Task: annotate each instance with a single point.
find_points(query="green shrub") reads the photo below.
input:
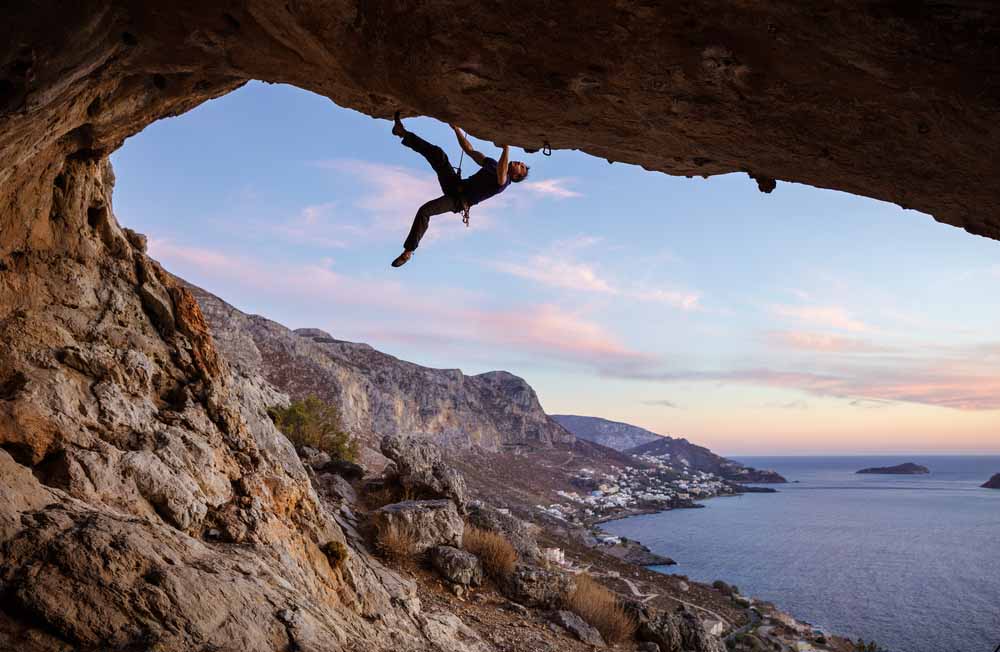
(317, 424)
(871, 646)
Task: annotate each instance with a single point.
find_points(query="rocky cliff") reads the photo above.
(992, 483)
(613, 434)
(887, 99)
(146, 500)
(381, 395)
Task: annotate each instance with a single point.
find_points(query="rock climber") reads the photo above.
(491, 179)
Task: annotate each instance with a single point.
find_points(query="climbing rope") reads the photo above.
(465, 207)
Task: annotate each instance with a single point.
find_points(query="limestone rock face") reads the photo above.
(521, 534)
(430, 522)
(146, 499)
(534, 586)
(457, 566)
(678, 632)
(578, 627)
(379, 395)
(892, 100)
(418, 467)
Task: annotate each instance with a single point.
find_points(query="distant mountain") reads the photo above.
(613, 434)
(909, 468)
(379, 394)
(676, 452)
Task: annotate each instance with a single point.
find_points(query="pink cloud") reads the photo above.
(552, 188)
(559, 269)
(828, 316)
(940, 386)
(823, 342)
(558, 273)
(444, 317)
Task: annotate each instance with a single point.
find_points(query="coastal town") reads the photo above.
(657, 483)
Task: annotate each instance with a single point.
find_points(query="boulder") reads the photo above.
(419, 467)
(347, 470)
(431, 522)
(993, 483)
(648, 646)
(578, 627)
(677, 632)
(457, 566)
(538, 587)
(520, 533)
(313, 457)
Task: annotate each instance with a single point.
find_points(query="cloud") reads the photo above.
(822, 342)
(686, 301)
(790, 405)
(929, 384)
(315, 225)
(552, 188)
(440, 317)
(558, 268)
(828, 316)
(557, 272)
(662, 403)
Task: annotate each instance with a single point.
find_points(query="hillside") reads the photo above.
(379, 394)
(677, 453)
(613, 434)
(682, 453)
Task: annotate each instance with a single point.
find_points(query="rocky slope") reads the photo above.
(682, 453)
(380, 395)
(146, 500)
(993, 483)
(613, 434)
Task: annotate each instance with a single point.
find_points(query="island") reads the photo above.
(909, 468)
(993, 483)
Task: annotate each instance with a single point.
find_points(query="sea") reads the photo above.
(911, 562)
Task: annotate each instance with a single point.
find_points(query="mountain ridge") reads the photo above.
(619, 435)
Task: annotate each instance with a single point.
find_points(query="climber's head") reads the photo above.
(517, 171)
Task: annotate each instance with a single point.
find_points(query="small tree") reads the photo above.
(313, 422)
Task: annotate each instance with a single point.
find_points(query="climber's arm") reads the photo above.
(466, 146)
(502, 166)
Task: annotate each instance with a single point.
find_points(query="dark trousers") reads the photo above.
(449, 181)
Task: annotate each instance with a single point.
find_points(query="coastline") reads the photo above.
(765, 621)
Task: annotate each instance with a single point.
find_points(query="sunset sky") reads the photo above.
(804, 321)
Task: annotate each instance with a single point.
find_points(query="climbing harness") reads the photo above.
(465, 206)
(546, 149)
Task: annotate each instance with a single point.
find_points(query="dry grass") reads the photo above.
(494, 551)
(396, 543)
(380, 497)
(601, 608)
(386, 494)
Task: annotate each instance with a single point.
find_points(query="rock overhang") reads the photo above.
(896, 101)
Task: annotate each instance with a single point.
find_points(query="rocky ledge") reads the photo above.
(993, 483)
(909, 468)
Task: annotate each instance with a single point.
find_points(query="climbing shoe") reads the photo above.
(398, 130)
(402, 258)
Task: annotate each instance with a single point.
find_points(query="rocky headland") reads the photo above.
(992, 483)
(907, 468)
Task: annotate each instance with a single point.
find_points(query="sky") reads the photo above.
(806, 321)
